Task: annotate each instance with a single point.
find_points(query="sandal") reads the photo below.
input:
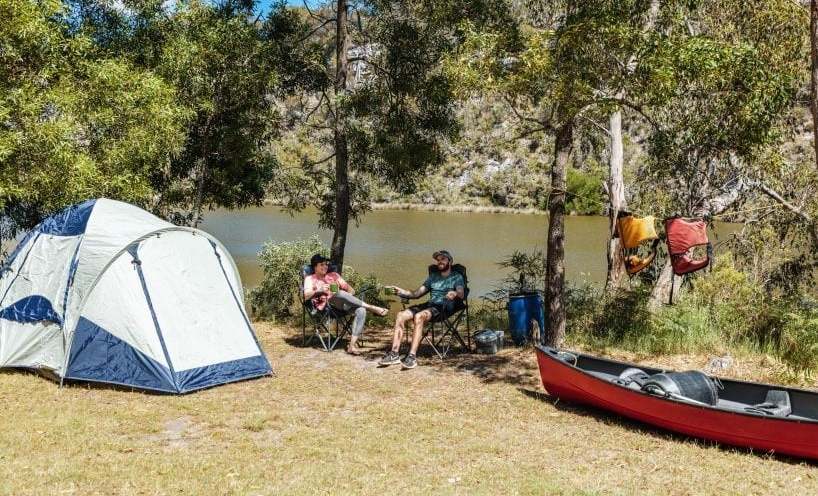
(354, 351)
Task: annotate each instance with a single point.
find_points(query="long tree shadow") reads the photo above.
(616, 420)
(515, 366)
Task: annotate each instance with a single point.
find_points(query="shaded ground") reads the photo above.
(338, 424)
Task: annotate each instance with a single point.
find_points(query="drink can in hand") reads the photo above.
(334, 287)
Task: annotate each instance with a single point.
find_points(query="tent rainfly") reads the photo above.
(104, 291)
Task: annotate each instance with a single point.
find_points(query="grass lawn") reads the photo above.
(337, 424)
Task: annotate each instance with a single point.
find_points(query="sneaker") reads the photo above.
(409, 362)
(391, 358)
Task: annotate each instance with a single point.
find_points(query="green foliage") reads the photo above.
(723, 310)
(585, 193)
(394, 120)
(75, 126)
(223, 68)
(281, 262)
(527, 272)
(799, 339)
(277, 295)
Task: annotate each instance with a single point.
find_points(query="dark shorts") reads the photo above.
(439, 310)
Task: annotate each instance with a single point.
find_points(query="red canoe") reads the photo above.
(759, 416)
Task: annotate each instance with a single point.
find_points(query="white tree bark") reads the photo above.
(616, 194)
(616, 274)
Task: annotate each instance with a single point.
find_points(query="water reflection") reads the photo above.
(397, 245)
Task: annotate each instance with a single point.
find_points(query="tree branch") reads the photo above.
(596, 124)
(325, 159)
(544, 124)
(313, 14)
(305, 37)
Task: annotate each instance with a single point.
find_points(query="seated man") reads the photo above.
(447, 293)
(319, 287)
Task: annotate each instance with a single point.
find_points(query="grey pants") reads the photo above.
(346, 302)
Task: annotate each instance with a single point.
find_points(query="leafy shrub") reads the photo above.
(682, 328)
(281, 263)
(585, 193)
(277, 296)
(798, 344)
(527, 272)
(489, 312)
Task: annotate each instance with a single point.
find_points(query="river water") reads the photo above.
(397, 245)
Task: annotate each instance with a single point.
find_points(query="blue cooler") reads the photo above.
(522, 309)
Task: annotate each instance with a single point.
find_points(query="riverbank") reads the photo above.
(334, 423)
(430, 207)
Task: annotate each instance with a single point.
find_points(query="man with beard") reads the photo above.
(447, 291)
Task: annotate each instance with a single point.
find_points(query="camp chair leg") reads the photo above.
(303, 328)
(431, 341)
(324, 344)
(468, 329)
(451, 334)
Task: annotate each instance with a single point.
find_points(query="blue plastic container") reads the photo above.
(522, 310)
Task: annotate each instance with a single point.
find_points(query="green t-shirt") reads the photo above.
(439, 285)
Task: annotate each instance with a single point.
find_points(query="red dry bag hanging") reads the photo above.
(682, 235)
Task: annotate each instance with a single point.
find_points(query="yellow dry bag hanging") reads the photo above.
(635, 233)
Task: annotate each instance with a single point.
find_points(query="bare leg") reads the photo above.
(400, 322)
(420, 320)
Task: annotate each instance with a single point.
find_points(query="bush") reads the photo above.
(585, 192)
(798, 344)
(281, 263)
(277, 296)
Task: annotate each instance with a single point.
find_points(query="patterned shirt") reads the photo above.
(312, 283)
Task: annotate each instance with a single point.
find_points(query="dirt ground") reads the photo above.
(332, 423)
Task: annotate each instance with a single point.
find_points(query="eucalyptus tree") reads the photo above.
(74, 125)
(374, 100)
(734, 77)
(576, 63)
(225, 70)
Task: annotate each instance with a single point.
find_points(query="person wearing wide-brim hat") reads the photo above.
(447, 292)
(318, 288)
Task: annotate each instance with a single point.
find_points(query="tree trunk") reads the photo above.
(196, 218)
(616, 274)
(660, 294)
(813, 35)
(555, 259)
(342, 200)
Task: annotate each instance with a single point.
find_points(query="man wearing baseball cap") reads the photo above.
(447, 291)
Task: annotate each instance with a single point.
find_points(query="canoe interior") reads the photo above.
(735, 396)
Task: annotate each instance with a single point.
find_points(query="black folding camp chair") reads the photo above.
(443, 343)
(321, 320)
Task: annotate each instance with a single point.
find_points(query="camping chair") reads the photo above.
(635, 233)
(321, 320)
(450, 326)
(682, 235)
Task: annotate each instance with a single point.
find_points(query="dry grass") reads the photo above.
(337, 424)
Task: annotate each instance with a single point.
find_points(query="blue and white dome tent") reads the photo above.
(104, 291)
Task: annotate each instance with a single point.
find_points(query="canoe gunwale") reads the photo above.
(550, 353)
